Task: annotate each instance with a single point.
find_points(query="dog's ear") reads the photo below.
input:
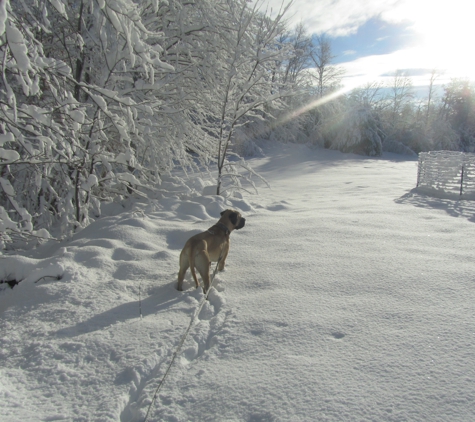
(222, 212)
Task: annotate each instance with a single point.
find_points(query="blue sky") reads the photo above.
(372, 39)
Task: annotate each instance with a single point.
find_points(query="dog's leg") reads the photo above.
(225, 252)
(202, 263)
(184, 265)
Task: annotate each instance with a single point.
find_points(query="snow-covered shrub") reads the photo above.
(246, 147)
(356, 131)
(392, 145)
(442, 136)
(417, 137)
(247, 136)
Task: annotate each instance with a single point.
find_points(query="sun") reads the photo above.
(445, 32)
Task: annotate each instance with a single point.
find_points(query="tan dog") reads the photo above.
(203, 248)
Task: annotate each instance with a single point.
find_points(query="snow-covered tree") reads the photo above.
(77, 103)
(239, 76)
(100, 97)
(399, 101)
(327, 75)
(458, 108)
(226, 55)
(357, 131)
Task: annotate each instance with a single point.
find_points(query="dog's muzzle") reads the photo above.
(241, 224)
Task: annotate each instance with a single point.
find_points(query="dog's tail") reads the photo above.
(191, 260)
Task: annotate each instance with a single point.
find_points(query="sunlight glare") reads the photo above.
(446, 34)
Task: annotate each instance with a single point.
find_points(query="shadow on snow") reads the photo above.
(453, 207)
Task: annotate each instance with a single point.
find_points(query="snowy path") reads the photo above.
(346, 298)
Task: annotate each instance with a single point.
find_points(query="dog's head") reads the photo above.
(233, 217)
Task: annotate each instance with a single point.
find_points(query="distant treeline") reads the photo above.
(100, 98)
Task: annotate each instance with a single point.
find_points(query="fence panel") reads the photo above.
(449, 173)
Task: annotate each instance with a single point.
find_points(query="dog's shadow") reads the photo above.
(155, 301)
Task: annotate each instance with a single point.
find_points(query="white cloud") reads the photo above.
(381, 68)
(334, 17)
(444, 40)
(343, 17)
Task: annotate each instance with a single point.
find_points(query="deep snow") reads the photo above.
(347, 297)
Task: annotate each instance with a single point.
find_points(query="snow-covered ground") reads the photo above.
(347, 297)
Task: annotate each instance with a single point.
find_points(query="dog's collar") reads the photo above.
(220, 226)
